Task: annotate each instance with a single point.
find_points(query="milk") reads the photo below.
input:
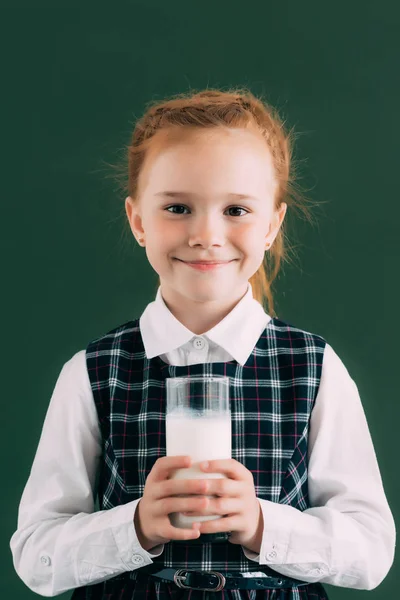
(202, 438)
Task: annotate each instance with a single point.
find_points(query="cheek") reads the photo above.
(164, 236)
(254, 248)
(169, 229)
(162, 247)
(251, 240)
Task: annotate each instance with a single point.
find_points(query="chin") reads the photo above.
(200, 294)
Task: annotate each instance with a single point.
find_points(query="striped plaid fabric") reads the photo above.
(272, 397)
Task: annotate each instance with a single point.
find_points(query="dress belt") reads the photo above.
(218, 580)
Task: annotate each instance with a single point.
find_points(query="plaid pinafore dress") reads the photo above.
(272, 397)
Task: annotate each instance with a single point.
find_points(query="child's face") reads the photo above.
(205, 223)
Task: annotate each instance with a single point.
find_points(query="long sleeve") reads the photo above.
(60, 543)
(348, 537)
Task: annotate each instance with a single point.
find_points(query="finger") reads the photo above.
(229, 523)
(223, 486)
(184, 487)
(229, 466)
(177, 533)
(188, 488)
(218, 506)
(164, 466)
(173, 504)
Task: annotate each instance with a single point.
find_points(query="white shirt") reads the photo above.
(346, 539)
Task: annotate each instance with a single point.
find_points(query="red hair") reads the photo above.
(172, 118)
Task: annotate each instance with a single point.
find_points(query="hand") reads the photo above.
(236, 500)
(151, 520)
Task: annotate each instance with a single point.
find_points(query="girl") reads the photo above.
(302, 500)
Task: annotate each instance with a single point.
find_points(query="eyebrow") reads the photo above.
(190, 194)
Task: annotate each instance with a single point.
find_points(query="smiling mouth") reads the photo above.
(201, 262)
(206, 267)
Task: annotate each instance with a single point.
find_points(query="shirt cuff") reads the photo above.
(131, 552)
(276, 533)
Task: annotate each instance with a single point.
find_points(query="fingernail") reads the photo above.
(205, 464)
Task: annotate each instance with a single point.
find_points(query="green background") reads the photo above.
(76, 76)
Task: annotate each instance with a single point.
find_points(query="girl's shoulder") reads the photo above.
(290, 331)
(125, 329)
(294, 338)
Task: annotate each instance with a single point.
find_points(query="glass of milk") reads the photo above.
(198, 424)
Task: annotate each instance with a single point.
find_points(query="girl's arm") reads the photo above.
(348, 537)
(60, 542)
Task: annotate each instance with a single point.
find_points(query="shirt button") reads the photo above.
(271, 554)
(137, 559)
(198, 343)
(45, 560)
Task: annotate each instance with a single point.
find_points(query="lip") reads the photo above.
(206, 266)
(205, 262)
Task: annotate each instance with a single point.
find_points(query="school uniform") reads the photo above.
(297, 424)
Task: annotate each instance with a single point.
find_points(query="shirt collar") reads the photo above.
(237, 333)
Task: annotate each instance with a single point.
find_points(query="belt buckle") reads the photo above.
(179, 578)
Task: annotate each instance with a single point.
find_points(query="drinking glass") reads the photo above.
(198, 424)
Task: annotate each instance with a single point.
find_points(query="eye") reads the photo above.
(182, 206)
(174, 206)
(238, 208)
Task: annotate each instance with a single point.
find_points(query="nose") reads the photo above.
(206, 231)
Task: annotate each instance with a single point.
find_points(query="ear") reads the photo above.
(276, 222)
(133, 213)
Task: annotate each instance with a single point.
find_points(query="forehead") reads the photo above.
(238, 161)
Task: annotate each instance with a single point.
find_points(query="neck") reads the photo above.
(198, 317)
